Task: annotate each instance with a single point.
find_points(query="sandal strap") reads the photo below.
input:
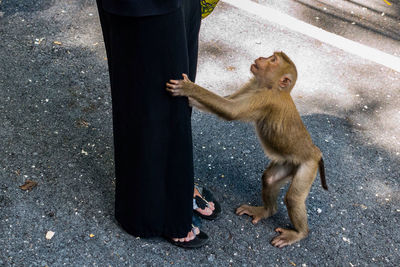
(201, 202)
(199, 188)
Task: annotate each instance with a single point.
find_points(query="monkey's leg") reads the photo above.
(274, 177)
(295, 202)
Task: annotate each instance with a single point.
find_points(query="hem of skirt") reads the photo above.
(167, 233)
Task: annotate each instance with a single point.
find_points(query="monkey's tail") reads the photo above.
(322, 174)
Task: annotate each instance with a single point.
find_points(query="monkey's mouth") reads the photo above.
(254, 66)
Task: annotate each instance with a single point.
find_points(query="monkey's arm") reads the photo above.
(239, 92)
(225, 108)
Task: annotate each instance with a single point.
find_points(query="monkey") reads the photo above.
(266, 101)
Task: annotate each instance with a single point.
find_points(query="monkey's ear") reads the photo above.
(285, 81)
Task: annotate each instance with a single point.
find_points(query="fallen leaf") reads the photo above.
(91, 235)
(82, 123)
(49, 235)
(28, 185)
(231, 68)
(292, 263)
(57, 43)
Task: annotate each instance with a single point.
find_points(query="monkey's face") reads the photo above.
(266, 69)
(274, 72)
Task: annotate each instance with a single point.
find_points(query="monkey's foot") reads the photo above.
(257, 213)
(286, 237)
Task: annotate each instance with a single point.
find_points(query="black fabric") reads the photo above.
(152, 130)
(140, 8)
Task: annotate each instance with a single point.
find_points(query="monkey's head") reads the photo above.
(276, 71)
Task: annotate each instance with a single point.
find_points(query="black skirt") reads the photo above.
(152, 130)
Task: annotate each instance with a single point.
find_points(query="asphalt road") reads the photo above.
(55, 114)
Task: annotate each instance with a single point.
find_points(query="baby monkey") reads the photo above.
(265, 100)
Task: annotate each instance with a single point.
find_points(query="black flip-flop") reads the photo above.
(200, 240)
(202, 203)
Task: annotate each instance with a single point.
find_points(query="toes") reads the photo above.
(255, 220)
(241, 210)
(206, 211)
(280, 243)
(196, 230)
(189, 237)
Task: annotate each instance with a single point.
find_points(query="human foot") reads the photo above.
(194, 239)
(190, 236)
(204, 203)
(208, 209)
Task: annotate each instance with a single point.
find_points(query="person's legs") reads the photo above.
(192, 12)
(152, 131)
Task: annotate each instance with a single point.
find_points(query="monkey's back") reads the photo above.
(283, 134)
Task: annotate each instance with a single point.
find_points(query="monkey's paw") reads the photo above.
(257, 213)
(286, 237)
(179, 87)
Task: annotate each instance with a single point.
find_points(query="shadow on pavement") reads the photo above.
(371, 21)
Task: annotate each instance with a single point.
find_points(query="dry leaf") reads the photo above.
(57, 43)
(28, 185)
(292, 263)
(82, 123)
(49, 235)
(231, 68)
(91, 235)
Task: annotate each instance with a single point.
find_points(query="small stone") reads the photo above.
(211, 257)
(319, 210)
(49, 235)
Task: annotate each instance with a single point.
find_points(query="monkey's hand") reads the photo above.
(180, 87)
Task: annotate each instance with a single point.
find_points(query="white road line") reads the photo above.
(335, 40)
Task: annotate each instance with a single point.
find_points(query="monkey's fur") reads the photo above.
(265, 100)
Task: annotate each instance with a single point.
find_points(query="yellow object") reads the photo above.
(207, 6)
(387, 2)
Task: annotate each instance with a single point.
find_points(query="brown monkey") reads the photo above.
(266, 101)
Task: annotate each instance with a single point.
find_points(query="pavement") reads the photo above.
(55, 114)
